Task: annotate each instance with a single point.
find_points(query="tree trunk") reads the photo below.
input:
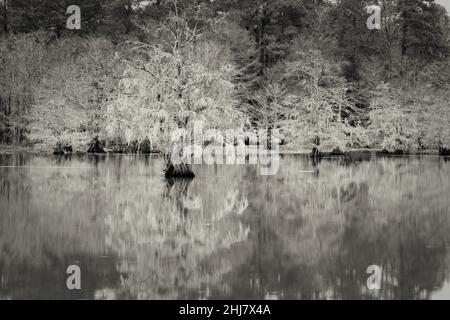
(403, 43)
(172, 170)
(177, 170)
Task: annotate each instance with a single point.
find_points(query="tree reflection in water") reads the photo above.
(309, 232)
(167, 238)
(313, 237)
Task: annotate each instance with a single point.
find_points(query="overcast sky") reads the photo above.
(445, 3)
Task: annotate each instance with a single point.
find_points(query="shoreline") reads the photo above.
(350, 153)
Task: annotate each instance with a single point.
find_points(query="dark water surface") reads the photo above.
(310, 232)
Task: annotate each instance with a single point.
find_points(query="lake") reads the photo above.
(309, 232)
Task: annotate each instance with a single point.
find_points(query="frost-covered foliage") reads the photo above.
(312, 102)
(417, 119)
(70, 101)
(391, 128)
(166, 86)
(23, 61)
(301, 67)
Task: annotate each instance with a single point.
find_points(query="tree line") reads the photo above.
(138, 69)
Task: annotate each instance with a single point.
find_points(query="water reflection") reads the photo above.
(309, 232)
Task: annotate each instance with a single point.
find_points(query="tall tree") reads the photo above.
(179, 87)
(422, 36)
(51, 15)
(271, 23)
(352, 34)
(4, 14)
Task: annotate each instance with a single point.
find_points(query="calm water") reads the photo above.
(309, 232)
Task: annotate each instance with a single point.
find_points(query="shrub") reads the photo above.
(391, 127)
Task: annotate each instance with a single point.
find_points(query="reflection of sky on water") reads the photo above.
(442, 293)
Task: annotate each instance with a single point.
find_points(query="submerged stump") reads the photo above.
(62, 148)
(145, 147)
(444, 151)
(95, 146)
(178, 170)
(315, 153)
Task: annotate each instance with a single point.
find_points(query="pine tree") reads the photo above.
(51, 15)
(4, 15)
(352, 35)
(422, 36)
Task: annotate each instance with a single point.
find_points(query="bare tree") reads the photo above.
(165, 60)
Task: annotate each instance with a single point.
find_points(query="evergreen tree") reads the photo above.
(352, 35)
(4, 15)
(422, 36)
(51, 15)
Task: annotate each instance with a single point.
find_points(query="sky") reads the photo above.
(445, 3)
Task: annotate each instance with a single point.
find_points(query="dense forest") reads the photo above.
(309, 68)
